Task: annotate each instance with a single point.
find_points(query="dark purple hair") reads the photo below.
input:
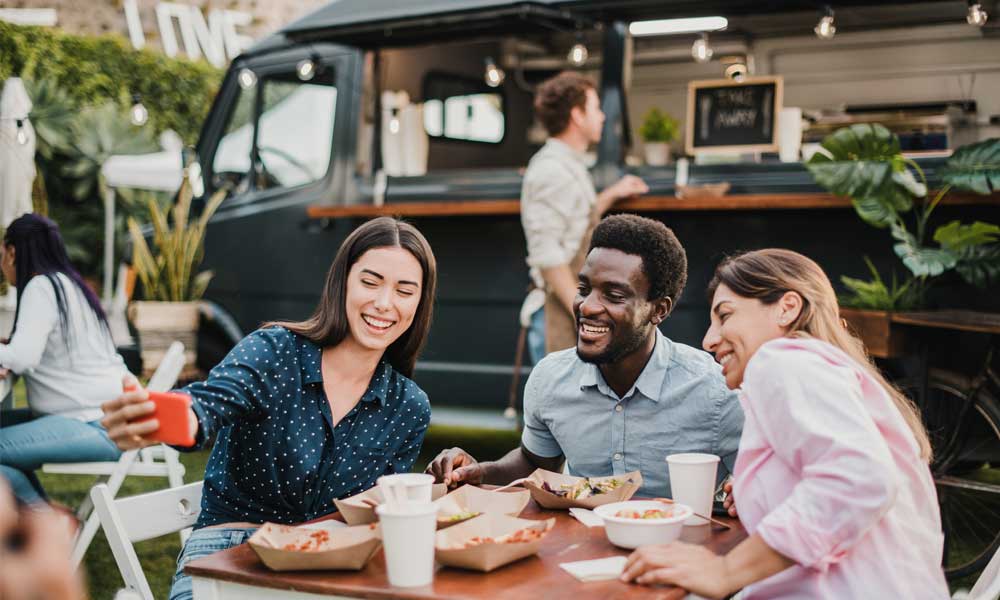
(39, 250)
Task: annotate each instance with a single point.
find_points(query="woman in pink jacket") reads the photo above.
(831, 480)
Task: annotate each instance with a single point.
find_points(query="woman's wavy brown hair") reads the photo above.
(328, 325)
(769, 274)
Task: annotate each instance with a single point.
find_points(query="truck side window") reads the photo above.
(295, 129)
(461, 108)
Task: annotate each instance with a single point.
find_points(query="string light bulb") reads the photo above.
(578, 54)
(394, 121)
(977, 15)
(22, 135)
(826, 29)
(306, 69)
(700, 50)
(494, 75)
(138, 114)
(246, 78)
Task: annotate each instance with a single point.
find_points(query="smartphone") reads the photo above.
(172, 411)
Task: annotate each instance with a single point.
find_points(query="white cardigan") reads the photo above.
(71, 380)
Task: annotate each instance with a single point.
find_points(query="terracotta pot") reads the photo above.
(159, 324)
(657, 153)
(875, 329)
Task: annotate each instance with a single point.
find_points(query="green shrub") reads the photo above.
(658, 126)
(95, 69)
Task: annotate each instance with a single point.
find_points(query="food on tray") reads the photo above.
(311, 543)
(521, 536)
(463, 516)
(653, 513)
(585, 488)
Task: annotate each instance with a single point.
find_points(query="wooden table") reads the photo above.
(237, 573)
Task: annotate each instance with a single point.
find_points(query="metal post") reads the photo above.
(108, 195)
(611, 150)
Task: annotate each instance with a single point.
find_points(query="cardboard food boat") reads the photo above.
(483, 544)
(629, 483)
(328, 545)
(469, 501)
(358, 510)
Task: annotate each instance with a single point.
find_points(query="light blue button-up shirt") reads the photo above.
(679, 403)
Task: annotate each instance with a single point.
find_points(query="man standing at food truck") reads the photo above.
(560, 207)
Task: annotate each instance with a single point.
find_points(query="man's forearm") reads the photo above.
(561, 282)
(514, 465)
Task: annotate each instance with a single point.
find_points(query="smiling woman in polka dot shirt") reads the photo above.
(303, 413)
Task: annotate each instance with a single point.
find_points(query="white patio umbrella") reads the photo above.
(157, 171)
(17, 151)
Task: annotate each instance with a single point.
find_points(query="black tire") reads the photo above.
(964, 454)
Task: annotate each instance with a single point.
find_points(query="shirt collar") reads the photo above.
(310, 365)
(650, 381)
(561, 147)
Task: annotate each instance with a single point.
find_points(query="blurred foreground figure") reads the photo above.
(35, 545)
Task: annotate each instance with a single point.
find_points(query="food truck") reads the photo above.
(424, 110)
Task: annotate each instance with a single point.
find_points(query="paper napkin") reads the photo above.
(586, 516)
(596, 570)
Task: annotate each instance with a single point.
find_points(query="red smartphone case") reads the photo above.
(172, 410)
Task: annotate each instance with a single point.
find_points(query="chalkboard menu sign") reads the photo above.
(728, 116)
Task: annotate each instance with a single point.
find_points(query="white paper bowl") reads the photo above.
(633, 533)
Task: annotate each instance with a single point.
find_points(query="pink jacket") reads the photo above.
(829, 475)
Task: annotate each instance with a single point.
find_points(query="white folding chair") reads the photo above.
(155, 461)
(143, 517)
(988, 585)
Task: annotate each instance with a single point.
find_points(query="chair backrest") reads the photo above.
(988, 585)
(143, 517)
(169, 370)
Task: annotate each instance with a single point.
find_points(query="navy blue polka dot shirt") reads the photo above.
(277, 455)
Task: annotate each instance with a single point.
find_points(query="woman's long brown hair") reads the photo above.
(769, 274)
(328, 326)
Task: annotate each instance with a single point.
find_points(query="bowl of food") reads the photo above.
(642, 522)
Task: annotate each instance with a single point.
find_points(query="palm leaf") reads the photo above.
(979, 265)
(975, 168)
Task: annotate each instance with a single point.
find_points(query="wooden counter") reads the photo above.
(458, 208)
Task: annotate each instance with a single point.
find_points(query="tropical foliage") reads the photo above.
(864, 162)
(168, 273)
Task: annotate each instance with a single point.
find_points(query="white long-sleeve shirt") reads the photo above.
(71, 380)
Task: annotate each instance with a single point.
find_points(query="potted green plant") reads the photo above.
(864, 163)
(171, 285)
(658, 130)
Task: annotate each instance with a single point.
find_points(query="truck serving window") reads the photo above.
(294, 132)
(462, 108)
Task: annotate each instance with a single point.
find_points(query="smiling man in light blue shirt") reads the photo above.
(626, 396)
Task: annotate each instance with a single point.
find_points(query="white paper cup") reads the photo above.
(417, 486)
(692, 482)
(408, 540)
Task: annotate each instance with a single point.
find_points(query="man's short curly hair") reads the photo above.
(556, 97)
(664, 261)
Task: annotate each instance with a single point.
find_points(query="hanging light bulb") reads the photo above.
(700, 50)
(394, 122)
(494, 74)
(306, 69)
(578, 54)
(247, 78)
(977, 16)
(22, 135)
(138, 114)
(825, 29)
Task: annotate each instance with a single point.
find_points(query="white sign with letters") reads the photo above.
(215, 38)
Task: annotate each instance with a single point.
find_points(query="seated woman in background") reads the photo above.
(832, 480)
(308, 412)
(61, 345)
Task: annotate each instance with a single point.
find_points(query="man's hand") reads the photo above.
(626, 187)
(453, 466)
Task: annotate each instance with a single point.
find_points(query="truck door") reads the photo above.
(282, 137)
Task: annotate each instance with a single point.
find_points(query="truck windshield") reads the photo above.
(290, 150)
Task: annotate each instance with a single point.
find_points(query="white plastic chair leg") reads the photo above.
(89, 529)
